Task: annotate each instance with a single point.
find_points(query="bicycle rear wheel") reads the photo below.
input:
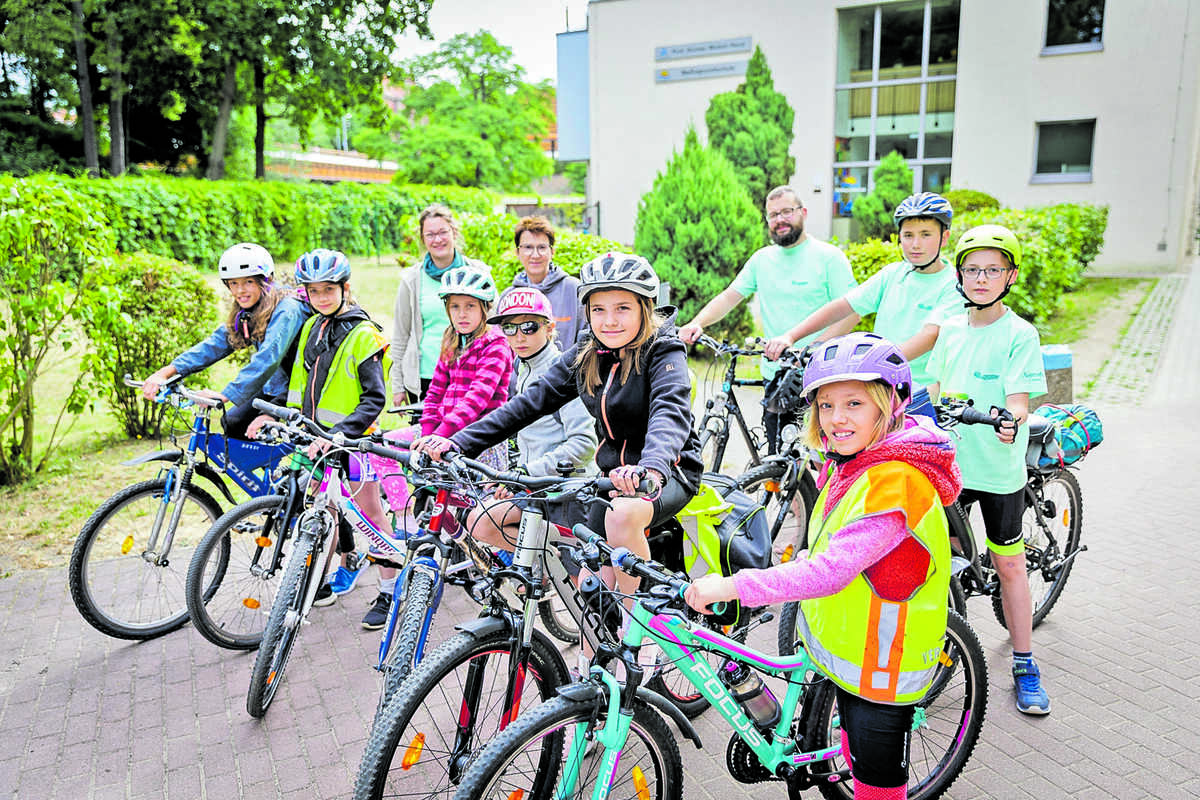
(119, 589)
(770, 485)
(283, 625)
(532, 757)
(230, 588)
(946, 722)
(451, 706)
(1051, 525)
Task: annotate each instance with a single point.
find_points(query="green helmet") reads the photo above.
(988, 237)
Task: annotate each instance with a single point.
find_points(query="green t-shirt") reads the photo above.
(433, 323)
(903, 300)
(791, 283)
(987, 364)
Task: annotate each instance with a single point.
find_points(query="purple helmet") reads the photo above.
(858, 357)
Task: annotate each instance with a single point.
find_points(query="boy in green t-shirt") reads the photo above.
(994, 357)
(908, 298)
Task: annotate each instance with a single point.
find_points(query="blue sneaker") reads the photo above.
(344, 579)
(1031, 697)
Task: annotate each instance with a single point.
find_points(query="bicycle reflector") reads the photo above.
(262, 541)
(251, 603)
(412, 754)
(126, 545)
(639, 784)
(516, 794)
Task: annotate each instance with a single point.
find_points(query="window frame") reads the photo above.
(1077, 47)
(1063, 177)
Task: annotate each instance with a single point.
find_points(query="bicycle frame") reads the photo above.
(726, 405)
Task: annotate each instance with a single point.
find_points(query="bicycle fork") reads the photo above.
(173, 491)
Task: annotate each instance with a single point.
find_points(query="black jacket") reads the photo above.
(646, 421)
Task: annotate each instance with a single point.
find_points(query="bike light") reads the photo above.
(412, 754)
(639, 784)
(250, 602)
(262, 541)
(126, 545)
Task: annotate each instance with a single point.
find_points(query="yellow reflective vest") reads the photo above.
(883, 650)
(341, 392)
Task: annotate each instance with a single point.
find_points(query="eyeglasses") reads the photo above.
(990, 272)
(540, 249)
(783, 212)
(433, 236)
(528, 327)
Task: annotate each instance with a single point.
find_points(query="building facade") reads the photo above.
(1032, 101)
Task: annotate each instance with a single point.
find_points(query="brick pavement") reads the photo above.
(84, 716)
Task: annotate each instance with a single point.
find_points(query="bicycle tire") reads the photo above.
(431, 701)
(765, 483)
(228, 604)
(537, 745)
(283, 624)
(557, 620)
(712, 449)
(412, 622)
(953, 709)
(107, 572)
(1047, 570)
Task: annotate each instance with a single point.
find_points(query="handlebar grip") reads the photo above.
(383, 451)
(279, 412)
(973, 416)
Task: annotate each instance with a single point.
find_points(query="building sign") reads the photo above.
(716, 47)
(723, 70)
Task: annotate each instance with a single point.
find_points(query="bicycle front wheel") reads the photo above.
(283, 625)
(1051, 525)
(557, 619)
(121, 588)
(946, 723)
(788, 503)
(552, 752)
(451, 706)
(414, 619)
(230, 584)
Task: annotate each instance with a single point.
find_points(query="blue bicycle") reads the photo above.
(128, 568)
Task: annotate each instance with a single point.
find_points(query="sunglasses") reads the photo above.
(529, 327)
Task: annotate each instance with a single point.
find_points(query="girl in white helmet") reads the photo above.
(263, 316)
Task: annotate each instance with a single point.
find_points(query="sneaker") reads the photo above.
(377, 614)
(344, 579)
(325, 596)
(1031, 697)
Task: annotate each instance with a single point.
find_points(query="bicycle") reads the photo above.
(123, 572)
(605, 736)
(714, 426)
(476, 683)
(1052, 523)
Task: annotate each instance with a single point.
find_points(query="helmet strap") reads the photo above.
(971, 304)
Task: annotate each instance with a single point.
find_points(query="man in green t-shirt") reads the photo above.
(792, 277)
(909, 298)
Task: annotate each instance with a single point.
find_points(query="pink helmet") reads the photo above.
(858, 356)
(519, 300)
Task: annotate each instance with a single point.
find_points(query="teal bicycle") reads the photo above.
(606, 737)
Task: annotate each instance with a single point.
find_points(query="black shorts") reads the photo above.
(879, 739)
(1001, 518)
(670, 501)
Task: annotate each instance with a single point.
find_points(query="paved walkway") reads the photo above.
(84, 716)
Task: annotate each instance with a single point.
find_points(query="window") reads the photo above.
(1064, 152)
(1074, 26)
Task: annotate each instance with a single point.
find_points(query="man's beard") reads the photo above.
(790, 237)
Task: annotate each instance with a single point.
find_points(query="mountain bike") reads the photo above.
(1052, 523)
(606, 737)
(127, 569)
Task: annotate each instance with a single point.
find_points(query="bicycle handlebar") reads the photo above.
(366, 444)
(951, 412)
(539, 483)
(628, 561)
(725, 348)
(172, 386)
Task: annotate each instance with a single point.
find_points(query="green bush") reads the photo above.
(964, 201)
(891, 182)
(871, 255)
(166, 307)
(1057, 244)
(697, 225)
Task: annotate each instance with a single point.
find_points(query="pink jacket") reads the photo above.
(476, 383)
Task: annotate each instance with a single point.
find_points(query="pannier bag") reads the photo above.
(740, 540)
(1078, 430)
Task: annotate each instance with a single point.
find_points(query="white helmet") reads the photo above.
(618, 271)
(246, 260)
(471, 281)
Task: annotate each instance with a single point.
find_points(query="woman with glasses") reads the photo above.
(567, 435)
(420, 316)
(534, 238)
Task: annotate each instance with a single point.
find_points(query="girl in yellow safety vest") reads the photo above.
(873, 584)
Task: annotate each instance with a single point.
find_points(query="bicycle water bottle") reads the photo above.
(751, 693)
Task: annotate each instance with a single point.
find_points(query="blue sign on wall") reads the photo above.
(573, 115)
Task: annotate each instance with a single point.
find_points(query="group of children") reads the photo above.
(875, 576)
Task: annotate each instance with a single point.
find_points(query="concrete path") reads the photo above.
(85, 716)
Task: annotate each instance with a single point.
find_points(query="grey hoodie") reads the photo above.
(563, 292)
(568, 434)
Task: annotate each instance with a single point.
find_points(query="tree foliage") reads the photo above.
(892, 181)
(697, 225)
(752, 127)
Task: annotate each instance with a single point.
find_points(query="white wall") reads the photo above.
(637, 123)
(1133, 90)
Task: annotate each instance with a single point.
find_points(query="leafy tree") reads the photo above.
(752, 127)
(892, 181)
(697, 225)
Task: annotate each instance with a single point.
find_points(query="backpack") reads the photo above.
(1078, 430)
(742, 536)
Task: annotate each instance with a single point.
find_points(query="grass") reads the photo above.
(1080, 307)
